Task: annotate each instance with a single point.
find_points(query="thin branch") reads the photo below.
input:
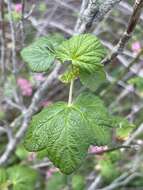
(122, 74)
(22, 22)
(94, 13)
(48, 19)
(13, 37)
(27, 115)
(95, 183)
(138, 131)
(127, 180)
(3, 50)
(112, 149)
(128, 33)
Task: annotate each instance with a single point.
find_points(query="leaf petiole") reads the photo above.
(71, 93)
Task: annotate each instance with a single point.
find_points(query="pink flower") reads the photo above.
(97, 149)
(18, 7)
(25, 86)
(136, 47)
(51, 171)
(39, 77)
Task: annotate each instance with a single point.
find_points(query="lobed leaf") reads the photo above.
(84, 51)
(99, 120)
(40, 55)
(61, 130)
(22, 177)
(66, 132)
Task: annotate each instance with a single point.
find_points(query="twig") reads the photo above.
(127, 34)
(113, 149)
(135, 109)
(128, 8)
(2, 60)
(28, 115)
(138, 131)
(22, 22)
(66, 5)
(42, 165)
(94, 13)
(122, 74)
(115, 185)
(95, 183)
(13, 37)
(48, 19)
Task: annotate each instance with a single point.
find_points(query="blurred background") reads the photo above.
(21, 22)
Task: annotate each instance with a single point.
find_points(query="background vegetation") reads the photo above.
(24, 93)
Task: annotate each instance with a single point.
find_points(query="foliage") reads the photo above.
(81, 91)
(66, 131)
(137, 82)
(78, 182)
(40, 55)
(18, 177)
(57, 182)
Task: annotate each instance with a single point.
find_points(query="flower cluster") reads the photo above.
(97, 149)
(18, 7)
(25, 86)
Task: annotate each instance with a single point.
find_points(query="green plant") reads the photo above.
(18, 177)
(66, 130)
(137, 82)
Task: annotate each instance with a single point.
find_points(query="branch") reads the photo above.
(2, 59)
(122, 74)
(128, 33)
(27, 115)
(25, 118)
(122, 183)
(134, 135)
(94, 12)
(95, 183)
(13, 37)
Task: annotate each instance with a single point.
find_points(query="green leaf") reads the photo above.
(124, 128)
(22, 177)
(109, 171)
(78, 182)
(93, 80)
(137, 82)
(40, 54)
(37, 135)
(100, 121)
(56, 182)
(21, 153)
(63, 132)
(3, 176)
(67, 131)
(41, 154)
(70, 74)
(84, 51)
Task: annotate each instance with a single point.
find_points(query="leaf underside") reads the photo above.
(66, 132)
